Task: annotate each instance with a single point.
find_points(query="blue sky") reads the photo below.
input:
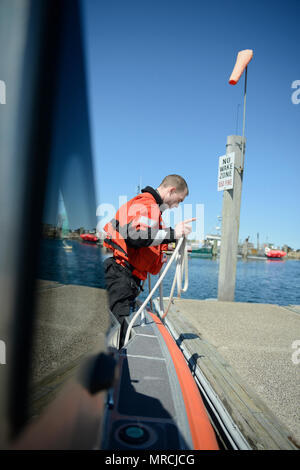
(160, 103)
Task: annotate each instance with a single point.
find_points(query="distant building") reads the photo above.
(49, 231)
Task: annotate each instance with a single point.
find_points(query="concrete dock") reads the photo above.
(246, 352)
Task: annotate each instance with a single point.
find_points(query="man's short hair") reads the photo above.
(177, 181)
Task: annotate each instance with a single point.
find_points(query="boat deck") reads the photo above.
(149, 408)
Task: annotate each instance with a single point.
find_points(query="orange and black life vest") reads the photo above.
(131, 232)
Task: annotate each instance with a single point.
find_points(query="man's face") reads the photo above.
(174, 198)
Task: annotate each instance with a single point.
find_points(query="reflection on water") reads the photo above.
(263, 281)
(82, 265)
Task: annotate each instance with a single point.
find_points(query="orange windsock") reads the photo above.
(243, 59)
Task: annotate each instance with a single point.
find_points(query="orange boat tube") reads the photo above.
(203, 435)
(243, 59)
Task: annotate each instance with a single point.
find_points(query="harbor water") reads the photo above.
(257, 281)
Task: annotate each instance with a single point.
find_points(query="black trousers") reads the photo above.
(122, 288)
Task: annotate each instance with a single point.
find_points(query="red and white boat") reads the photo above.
(274, 253)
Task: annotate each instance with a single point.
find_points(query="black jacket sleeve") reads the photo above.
(140, 238)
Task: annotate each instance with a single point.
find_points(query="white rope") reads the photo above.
(149, 287)
(186, 270)
(153, 290)
(182, 262)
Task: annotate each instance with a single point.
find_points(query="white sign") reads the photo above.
(226, 172)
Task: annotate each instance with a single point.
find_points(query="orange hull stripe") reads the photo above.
(203, 435)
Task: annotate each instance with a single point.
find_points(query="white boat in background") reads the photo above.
(66, 246)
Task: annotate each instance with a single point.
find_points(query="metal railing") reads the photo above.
(180, 256)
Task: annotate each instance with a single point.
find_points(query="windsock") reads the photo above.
(243, 59)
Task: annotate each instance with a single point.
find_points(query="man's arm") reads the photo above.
(146, 235)
(149, 236)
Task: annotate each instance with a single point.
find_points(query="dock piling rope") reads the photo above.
(181, 270)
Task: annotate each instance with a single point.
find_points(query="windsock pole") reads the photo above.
(232, 197)
(244, 119)
(242, 61)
